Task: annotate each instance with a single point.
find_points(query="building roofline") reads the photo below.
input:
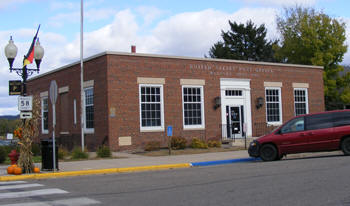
(175, 57)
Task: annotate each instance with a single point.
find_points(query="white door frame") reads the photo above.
(243, 99)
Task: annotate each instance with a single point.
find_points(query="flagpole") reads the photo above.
(82, 109)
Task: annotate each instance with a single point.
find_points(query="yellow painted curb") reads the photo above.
(93, 172)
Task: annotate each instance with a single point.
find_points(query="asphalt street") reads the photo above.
(301, 181)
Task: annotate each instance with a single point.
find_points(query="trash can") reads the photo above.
(47, 155)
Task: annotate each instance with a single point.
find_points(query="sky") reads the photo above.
(180, 28)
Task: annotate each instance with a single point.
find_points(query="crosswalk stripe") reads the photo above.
(71, 202)
(12, 183)
(8, 187)
(32, 193)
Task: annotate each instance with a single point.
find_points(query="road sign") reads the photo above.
(53, 98)
(53, 91)
(26, 115)
(170, 131)
(25, 103)
(15, 87)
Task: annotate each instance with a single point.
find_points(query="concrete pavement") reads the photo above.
(125, 162)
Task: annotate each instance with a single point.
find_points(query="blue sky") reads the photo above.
(182, 28)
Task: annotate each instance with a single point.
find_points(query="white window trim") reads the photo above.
(43, 131)
(201, 126)
(88, 130)
(280, 105)
(306, 99)
(158, 128)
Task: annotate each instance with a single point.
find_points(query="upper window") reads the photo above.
(89, 109)
(151, 107)
(231, 92)
(300, 101)
(273, 105)
(44, 115)
(193, 108)
(319, 121)
(295, 125)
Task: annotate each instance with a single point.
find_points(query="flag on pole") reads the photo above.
(28, 59)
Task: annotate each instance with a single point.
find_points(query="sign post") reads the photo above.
(169, 134)
(53, 98)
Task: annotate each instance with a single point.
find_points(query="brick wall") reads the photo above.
(116, 94)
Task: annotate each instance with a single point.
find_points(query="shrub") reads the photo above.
(152, 146)
(36, 150)
(62, 153)
(104, 151)
(214, 143)
(2, 154)
(78, 154)
(198, 144)
(178, 143)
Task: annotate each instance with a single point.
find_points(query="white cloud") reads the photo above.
(90, 16)
(149, 13)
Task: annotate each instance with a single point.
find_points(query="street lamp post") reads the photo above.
(24, 72)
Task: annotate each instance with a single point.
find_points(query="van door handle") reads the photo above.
(311, 133)
(302, 134)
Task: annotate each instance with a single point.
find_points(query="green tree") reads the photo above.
(313, 38)
(244, 42)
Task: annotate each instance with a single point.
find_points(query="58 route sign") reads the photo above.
(25, 103)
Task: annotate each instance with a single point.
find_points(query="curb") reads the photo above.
(220, 162)
(93, 172)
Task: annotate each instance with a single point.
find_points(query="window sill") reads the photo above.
(193, 128)
(152, 130)
(274, 123)
(45, 132)
(89, 131)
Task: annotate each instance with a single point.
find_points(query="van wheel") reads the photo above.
(268, 152)
(345, 146)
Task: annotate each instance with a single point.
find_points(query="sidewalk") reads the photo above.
(130, 162)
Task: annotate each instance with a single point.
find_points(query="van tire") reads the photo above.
(268, 152)
(345, 146)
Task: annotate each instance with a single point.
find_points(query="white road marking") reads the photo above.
(8, 187)
(32, 193)
(71, 202)
(12, 183)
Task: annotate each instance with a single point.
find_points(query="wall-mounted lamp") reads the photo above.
(217, 102)
(259, 102)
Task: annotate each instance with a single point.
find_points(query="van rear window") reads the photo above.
(341, 119)
(319, 121)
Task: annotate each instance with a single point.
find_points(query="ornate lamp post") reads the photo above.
(35, 52)
(24, 72)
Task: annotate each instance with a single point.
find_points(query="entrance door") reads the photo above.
(234, 121)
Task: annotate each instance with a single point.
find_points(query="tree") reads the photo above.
(313, 38)
(244, 42)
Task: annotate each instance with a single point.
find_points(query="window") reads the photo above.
(300, 101)
(233, 93)
(44, 115)
(89, 109)
(193, 111)
(295, 125)
(273, 105)
(341, 118)
(151, 107)
(319, 121)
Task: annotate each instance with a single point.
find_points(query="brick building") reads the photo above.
(132, 98)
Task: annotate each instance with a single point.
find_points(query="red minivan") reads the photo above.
(325, 131)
